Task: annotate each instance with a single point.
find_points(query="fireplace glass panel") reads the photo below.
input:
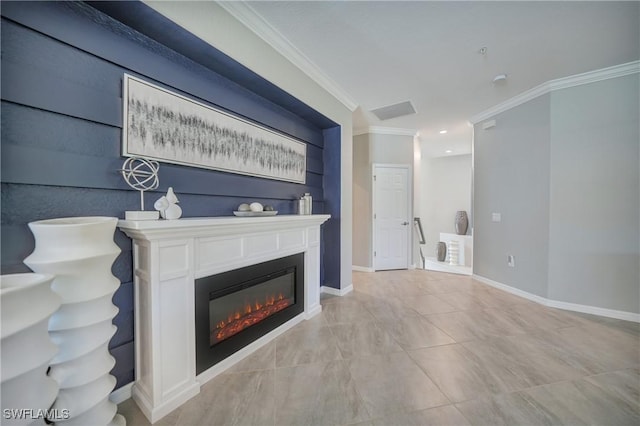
(249, 303)
(274, 287)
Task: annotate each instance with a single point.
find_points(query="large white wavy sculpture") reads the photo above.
(80, 251)
(27, 303)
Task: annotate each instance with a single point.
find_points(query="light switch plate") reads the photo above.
(496, 217)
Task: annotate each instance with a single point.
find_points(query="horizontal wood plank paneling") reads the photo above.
(142, 57)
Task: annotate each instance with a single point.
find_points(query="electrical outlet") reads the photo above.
(511, 260)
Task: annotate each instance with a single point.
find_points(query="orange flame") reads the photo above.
(251, 314)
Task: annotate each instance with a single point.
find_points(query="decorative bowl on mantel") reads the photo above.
(254, 214)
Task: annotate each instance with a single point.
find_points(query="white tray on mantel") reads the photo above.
(255, 214)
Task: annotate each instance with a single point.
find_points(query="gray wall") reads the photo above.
(511, 177)
(563, 170)
(594, 217)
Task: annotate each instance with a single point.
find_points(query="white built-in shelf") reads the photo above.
(465, 255)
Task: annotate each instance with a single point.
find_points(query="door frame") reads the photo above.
(409, 169)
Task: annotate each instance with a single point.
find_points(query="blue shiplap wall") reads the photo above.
(62, 67)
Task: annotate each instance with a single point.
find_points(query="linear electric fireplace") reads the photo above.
(219, 261)
(234, 308)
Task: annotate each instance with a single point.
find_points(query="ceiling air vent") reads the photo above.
(393, 111)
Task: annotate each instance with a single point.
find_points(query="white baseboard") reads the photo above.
(337, 292)
(595, 310)
(586, 309)
(362, 268)
(121, 394)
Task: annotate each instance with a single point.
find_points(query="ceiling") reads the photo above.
(373, 54)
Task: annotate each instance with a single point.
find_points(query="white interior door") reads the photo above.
(391, 217)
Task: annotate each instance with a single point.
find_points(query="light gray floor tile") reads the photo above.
(416, 332)
(544, 317)
(317, 321)
(393, 382)
(437, 286)
(533, 363)
(134, 416)
(623, 385)
(445, 415)
(461, 375)
(345, 311)
(463, 300)
(603, 347)
(306, 347)
(513, 409)
(427, 304)
(317, 394)
(363, 339)
(390, 309)
(582, 402)
(472, 325)
(368, 359)
(233, 399)
(263, 359)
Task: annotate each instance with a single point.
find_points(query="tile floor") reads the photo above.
(429, 348)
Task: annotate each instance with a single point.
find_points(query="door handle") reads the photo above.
(404, 223)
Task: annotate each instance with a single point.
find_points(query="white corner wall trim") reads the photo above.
(121, 394)
(336, 292)
(256, 23)
(362, 268)
(378, 130)
(593, 310)
(558, 84)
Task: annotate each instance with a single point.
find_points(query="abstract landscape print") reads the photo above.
(168, 127)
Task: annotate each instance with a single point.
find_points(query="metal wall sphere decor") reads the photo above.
(141, 174)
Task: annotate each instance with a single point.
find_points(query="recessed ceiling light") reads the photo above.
(442, 132)
(448, 151)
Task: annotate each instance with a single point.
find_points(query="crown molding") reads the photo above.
(256, 23)
(558, 84)
(385, 131)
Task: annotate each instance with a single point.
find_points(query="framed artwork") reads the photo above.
(165, 126)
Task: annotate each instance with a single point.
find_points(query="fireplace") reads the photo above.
(234, 308)
(172, 258)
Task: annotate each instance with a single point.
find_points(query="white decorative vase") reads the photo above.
(80, 251)
(27, 303)
(453, 251)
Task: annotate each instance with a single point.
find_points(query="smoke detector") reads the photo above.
(499, 78)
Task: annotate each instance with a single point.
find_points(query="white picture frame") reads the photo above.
(168, 127)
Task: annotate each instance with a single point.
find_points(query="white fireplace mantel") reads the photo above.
(169, 255)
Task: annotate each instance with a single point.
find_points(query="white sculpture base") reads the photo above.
(27, 303)
(79, 251)
(141, 215)
(168, 257)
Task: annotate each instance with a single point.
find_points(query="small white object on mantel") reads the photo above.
(168, 206)
(168, 257)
